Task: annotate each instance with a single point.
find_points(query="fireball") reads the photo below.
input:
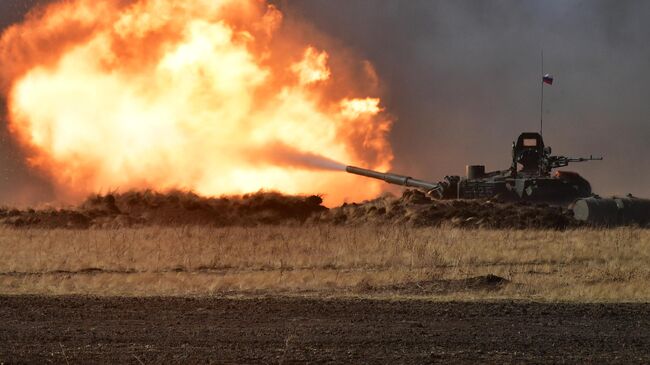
(219, 97)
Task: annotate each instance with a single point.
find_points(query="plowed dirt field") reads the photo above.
(71, 330)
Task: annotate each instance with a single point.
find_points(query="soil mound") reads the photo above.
(47, 219)
(417, 209)
(186, 208)
(479, 283)
(171, 209)
(413, 208)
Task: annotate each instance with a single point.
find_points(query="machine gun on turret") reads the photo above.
(561, 161)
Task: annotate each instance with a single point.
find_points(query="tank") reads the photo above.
(532, 176)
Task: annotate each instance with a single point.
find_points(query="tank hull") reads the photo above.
(551, 190)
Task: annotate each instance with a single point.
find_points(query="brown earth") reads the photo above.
(170, 209)
(269, 208)
(417, 209)
(301, 330)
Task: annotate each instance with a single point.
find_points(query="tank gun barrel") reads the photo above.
(394, 178)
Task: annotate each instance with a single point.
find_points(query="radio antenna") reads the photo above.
(541, 103)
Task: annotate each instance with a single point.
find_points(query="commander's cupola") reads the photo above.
(528, 153)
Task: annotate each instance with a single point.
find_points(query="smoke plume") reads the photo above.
(283, 155)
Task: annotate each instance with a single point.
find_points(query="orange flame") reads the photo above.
(216, 96)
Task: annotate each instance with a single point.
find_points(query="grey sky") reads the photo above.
(464, 79)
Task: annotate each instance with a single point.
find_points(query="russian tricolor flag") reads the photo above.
(547, 79)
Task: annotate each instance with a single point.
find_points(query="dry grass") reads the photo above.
(574, 265)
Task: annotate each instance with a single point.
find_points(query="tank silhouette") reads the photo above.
(531, 177)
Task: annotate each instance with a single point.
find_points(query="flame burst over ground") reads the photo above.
(219, 97)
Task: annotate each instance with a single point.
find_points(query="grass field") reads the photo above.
(576, 265)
